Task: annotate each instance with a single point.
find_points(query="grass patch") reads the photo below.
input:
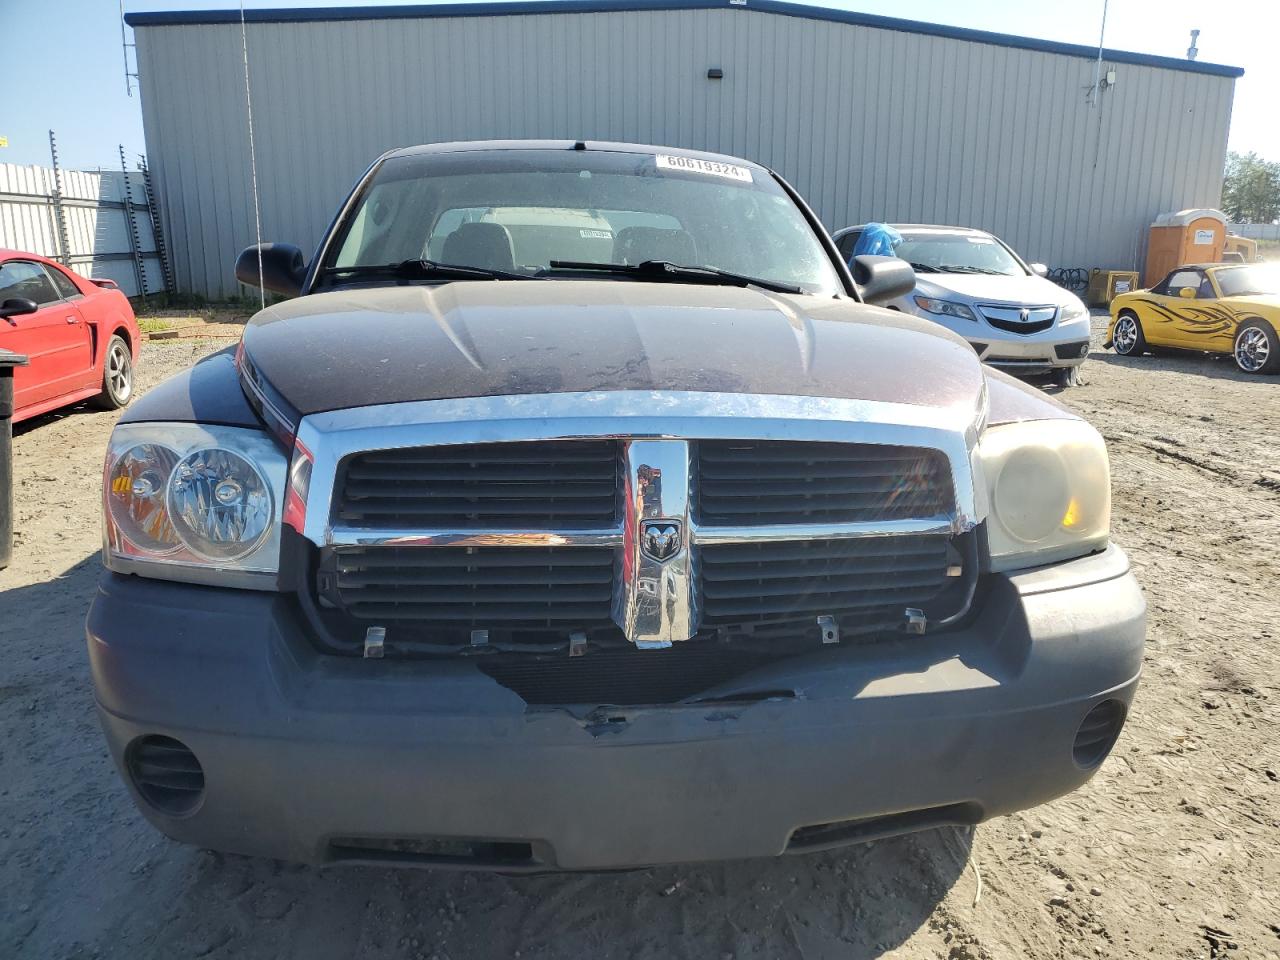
(157, 324)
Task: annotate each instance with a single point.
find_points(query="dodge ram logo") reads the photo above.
(660, 539)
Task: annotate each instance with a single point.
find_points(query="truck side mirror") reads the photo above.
(1187, 293)
(283, 269)
(881, 279)
(1039, 269)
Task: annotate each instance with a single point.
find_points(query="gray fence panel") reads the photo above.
(97, 227)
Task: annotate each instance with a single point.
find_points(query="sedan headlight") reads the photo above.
(1049, 489)
(1072, 311)
(197, 503)
(945, 308)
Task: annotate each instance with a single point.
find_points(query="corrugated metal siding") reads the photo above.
(97, 230)
(867, 123)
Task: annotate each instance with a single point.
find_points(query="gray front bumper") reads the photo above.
(1012, 353)
(300, 748)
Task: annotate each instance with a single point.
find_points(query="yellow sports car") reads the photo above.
(1217, 307)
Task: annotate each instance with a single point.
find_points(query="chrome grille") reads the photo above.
(756, 482)
(870, 581)
(533, 541)
(538, 485)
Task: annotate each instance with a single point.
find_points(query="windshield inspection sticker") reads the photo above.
(712, 168)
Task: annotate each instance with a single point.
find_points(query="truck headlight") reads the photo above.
(1049, 488)
(183, 501)
(945, 308)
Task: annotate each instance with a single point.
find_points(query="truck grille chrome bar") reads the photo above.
(364, 537)
(780, 533)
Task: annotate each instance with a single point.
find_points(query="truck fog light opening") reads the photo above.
(1098, 732)
(166, 774)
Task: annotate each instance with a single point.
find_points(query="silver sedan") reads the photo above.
(976, 285)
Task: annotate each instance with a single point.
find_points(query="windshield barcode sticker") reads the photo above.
(595, 234)
(712, 168)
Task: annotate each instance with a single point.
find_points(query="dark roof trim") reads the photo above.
(501, 8)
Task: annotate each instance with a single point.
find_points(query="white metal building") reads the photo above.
(869, 117)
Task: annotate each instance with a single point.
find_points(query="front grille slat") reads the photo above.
(486, 558)
(750, 553)
(820, 586)
(540, 485)
(781, 487)
(482, 509)
(766, 471)
(486, 615)
(732, 510)
(893, 600)
(530, 452)
(784, 481)
(468, 577)
(524, 488)
(363, 471)
(506, 596)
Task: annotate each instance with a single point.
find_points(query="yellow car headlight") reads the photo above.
(1049, 488)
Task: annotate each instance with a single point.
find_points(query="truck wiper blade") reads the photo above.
(426, 270)
(665, 270)
(922, 267)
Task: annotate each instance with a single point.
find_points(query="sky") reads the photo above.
(80, 92)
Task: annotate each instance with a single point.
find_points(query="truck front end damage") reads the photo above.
(599, 630)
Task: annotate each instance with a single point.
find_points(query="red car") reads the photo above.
(79, 335)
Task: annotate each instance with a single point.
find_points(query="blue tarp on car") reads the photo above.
(877, 239)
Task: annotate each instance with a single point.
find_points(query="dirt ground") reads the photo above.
(1172, 851)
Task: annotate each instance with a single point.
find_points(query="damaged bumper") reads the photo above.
(316, 758)
(1030, 354)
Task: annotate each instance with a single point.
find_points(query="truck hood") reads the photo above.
(359, 347)
(983, 288)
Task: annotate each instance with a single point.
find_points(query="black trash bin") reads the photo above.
(7, 362)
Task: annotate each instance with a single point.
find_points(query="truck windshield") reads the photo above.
(940, 252)
(524, 211)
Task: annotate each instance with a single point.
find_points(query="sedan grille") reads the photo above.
(564, 484)
(756, 482)
(1023, 320)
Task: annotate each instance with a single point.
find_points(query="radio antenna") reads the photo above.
(253, 157)
(1097, 67)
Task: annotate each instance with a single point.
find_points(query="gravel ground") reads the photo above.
(1171, 851)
